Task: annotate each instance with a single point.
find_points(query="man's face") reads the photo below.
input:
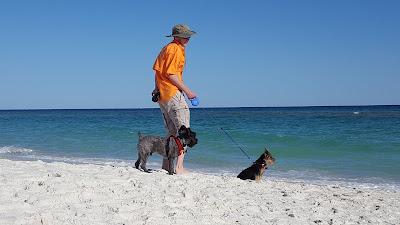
(183, 41)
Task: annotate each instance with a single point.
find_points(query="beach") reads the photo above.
(37, 192)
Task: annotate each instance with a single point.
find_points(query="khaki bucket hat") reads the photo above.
(182, 31)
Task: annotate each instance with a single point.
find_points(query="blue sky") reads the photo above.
(99, 54)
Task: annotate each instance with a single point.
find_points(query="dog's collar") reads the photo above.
(179, 144)
(258, 164)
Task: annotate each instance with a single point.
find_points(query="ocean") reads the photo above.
(348, 144)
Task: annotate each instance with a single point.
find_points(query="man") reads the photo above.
(168, 69)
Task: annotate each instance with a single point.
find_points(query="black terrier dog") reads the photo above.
(256, 171)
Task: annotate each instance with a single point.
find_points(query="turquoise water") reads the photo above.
(350, 144)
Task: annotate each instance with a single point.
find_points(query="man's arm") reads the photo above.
(181, 86)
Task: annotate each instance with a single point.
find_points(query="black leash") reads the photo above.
(228, 135)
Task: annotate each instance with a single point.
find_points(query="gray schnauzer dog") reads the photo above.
(169, 147)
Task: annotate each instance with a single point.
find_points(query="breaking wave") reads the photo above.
(14, 150)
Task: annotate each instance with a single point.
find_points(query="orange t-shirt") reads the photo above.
(170, 61)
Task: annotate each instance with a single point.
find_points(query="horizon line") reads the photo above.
(222, 107)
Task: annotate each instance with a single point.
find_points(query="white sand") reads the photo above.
(59, 193)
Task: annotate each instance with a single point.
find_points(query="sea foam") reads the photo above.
(14, 150)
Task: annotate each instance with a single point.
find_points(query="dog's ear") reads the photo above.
(192, 132)
(268, 155)
(183, 131)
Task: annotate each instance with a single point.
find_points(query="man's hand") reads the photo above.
(190, 94)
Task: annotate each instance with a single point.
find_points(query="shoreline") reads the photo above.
(36, 192)
(309, 177)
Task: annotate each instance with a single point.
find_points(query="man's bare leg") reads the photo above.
(179, 165)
